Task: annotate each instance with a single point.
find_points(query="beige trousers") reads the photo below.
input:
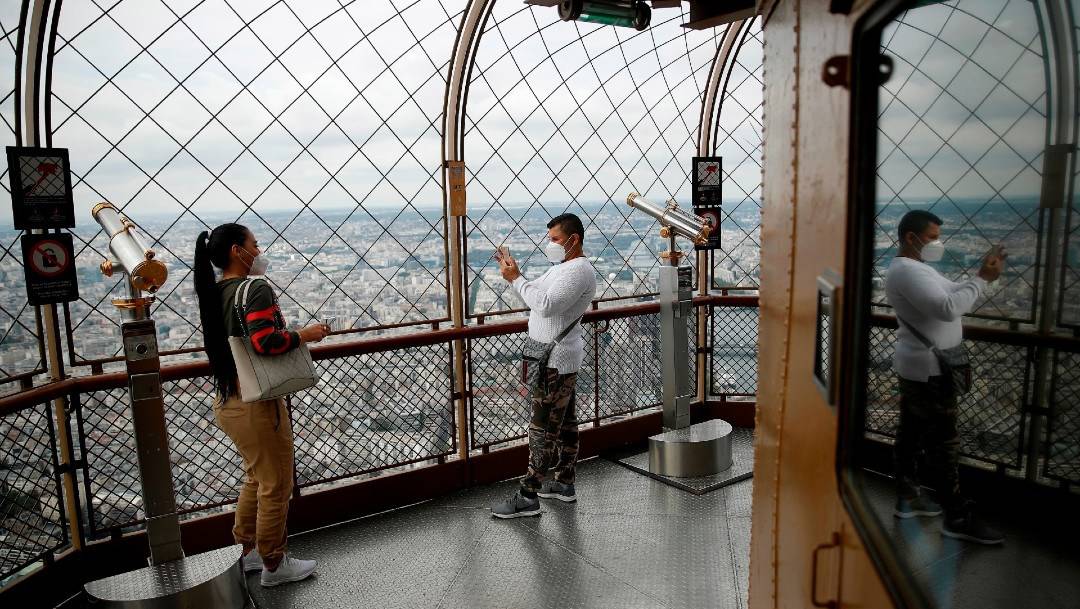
(263, 437)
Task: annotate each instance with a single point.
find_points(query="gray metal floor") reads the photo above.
(629, 542)
(1038, 566)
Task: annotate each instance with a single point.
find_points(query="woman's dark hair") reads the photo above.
(213, 249)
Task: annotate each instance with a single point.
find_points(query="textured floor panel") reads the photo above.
(1038, 565)
(742, 456)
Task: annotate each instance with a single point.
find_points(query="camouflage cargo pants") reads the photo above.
(553, 432)
(928, 429)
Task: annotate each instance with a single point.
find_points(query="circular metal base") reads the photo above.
(703, 449)
(213, 579)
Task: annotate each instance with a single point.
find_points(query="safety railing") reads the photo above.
(33, 523)
(994, 418)
(385, 403)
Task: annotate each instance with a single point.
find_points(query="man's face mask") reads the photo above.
(555, 253)
(931, 251)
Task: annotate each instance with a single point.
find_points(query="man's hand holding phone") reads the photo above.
(507, 265)
(993, 263)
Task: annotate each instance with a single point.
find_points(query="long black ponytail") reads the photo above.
(213, 249)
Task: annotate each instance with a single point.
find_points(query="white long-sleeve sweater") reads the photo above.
(556, 299)
(933, 304)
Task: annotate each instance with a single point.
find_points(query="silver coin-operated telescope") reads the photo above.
(683, 450)
(213, 579)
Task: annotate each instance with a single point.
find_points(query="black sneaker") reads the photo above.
(970, 527)
(919, 505)
(516, 507)
(553, 489)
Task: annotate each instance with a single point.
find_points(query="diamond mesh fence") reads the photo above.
(738, 140)
(571, 117)
(317, 126)
(991, 416)
(1063, 424)
(207, 470)
(386, 409)
(962, 128)
(734, 351)
(20, 338)
(32, 519)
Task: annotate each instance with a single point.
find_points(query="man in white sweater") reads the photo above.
(929, 308)
(557, 300)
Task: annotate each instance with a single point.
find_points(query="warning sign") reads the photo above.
(712, 214)
(49, 266)
(706, 178)
(40, 188)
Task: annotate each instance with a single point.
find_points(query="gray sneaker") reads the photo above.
(919, 505)
(516, 507)
(553, 489)
(967, 526)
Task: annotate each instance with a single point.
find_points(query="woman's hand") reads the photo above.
(314, 333)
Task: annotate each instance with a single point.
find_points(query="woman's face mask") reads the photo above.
(256, 265)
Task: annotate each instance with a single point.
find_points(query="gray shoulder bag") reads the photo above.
(534, 360)
(265, 377)
(954, 361)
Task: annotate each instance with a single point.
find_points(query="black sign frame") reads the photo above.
(45, 210)
(43, 284)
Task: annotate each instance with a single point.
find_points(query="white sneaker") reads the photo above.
(253, 562)
(290, 570)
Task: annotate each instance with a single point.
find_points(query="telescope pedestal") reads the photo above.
(212, 579)
(702, 449)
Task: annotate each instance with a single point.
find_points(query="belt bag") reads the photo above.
(954, 362)
(264, 377)
(534, 360)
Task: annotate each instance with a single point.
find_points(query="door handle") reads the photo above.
(830, 604)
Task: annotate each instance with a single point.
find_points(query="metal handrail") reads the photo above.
(187, 370)
(998, 335)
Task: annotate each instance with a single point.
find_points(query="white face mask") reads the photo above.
(555, 253)
(932, 251)
(258, 265)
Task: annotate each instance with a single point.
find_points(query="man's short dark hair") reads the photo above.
(569, 224)
(916, 221)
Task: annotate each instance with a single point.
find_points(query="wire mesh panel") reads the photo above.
(1069, 312)
(1063, 424)
(991, 416)
(962, 129)
(316, 125)
(571, 117)
(384, 409)
(734, 350)
(20, 350)
(630, 370)
(32, 520)
(206, 468)
(738, 140)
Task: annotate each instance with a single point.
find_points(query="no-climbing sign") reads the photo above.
(49, 265)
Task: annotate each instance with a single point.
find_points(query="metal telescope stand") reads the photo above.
(682, 450)
(213, 579)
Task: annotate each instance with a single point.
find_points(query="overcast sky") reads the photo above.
(635, 131)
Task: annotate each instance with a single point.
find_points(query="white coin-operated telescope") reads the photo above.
(683, 450)
(213, 579)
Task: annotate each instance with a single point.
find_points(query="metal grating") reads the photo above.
(1063, 424)
(992, 416)
(962, 129)
(1069, 311)
(32, 519)
(206, 468)
(317, 126)
(20, 339)
(572, 117)
(630, 371)
(739, 139)
(734, 351)
(386, 409)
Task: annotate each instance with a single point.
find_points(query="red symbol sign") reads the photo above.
(49, 258)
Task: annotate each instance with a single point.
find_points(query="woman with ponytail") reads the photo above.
(260, 430)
